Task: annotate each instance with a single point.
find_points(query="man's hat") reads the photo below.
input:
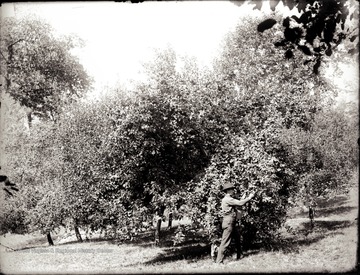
(228, 186)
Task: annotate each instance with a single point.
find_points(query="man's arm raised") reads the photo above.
(235, 202)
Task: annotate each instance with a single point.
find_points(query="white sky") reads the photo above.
(120, 36)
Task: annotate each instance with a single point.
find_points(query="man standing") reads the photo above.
(228, 207)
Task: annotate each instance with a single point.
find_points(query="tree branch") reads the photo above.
(3, 56)
(15, 43)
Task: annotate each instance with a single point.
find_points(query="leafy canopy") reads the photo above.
(39, 70)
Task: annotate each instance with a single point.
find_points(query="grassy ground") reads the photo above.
(330, 247)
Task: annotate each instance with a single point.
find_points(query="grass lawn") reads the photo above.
(330, 247)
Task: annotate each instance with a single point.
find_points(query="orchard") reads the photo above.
(263, 122)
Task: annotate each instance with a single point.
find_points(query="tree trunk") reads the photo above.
(160, 213)
(170, 219)
(77, 233)
(311, 216)
(29, 118)
(157, 230)
(50, 241)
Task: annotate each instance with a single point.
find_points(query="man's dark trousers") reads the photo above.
(229, 231)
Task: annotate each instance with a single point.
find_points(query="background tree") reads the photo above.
(12, 214)
(156, 147)
(39, 73)
(39, 70)
(83, 128)
(32, 160)
(324, 157)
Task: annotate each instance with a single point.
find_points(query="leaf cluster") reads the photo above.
(318, 30)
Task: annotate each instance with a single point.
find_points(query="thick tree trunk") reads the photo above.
(50, 241)
(77, 233)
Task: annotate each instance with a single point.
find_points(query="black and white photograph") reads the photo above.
(167, 137)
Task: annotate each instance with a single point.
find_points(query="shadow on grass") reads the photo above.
(143, 239)
(34, 243)
(333, 202)
(147, 239)
(325, 212)
(191, 250)
(307, 235)
(188, 252)
(198, 248)
(325, 226)
(44, 245)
